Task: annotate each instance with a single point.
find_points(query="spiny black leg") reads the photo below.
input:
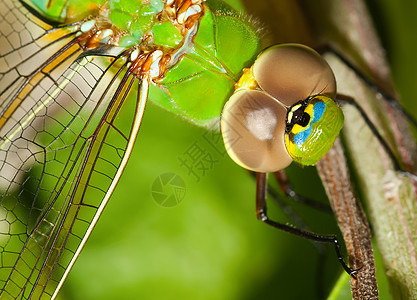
(349, 100)
(287, 209)
(261, 192)
(287, 188)
(385, 96)
(284, 184)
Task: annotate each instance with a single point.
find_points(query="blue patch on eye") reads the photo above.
(301, 137)
(318, 111)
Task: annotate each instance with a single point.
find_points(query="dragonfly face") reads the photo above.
(282, 110)
(63, 92)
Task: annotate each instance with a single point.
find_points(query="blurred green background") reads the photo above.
(211, 246)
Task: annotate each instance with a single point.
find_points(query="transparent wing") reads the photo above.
(67, 128)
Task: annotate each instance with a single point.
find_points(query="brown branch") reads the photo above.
(352, 221)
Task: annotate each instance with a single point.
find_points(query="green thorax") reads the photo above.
(206, 60)
(198, 86)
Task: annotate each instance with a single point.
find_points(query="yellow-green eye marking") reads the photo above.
(312, 127)
(282, 110)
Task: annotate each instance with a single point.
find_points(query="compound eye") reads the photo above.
(253, 129)
(292, 72)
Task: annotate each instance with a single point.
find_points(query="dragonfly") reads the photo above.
(90, 169)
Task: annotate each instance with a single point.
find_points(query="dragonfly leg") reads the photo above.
(349, 100)
(261, 213)
(385, 96)
(287, 189)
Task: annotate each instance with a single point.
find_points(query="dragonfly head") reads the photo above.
(282, 110)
